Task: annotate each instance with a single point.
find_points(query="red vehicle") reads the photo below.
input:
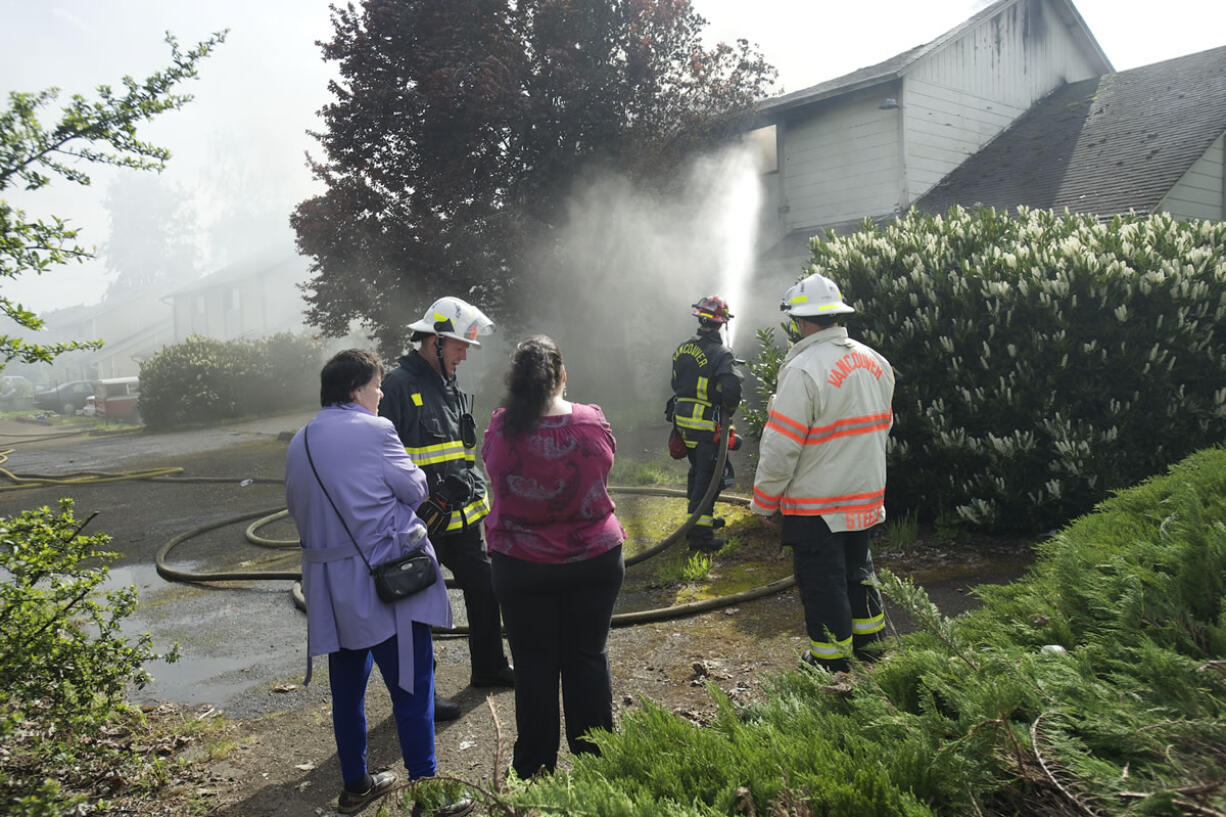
(118, 398)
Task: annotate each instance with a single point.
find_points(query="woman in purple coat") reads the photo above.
(355, 456)
(555, 548)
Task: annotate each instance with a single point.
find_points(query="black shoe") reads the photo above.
(380, 784)
(504, 677)
(445, 709)
(707, 545)
(718, 522)
(453, 808)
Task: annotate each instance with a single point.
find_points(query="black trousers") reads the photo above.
(837, 586)
(557, 618)
(702, 459)
(463, 553)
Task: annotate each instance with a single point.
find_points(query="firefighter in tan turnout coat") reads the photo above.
(822, 466)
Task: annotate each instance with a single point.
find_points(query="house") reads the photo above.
(872, 143)
(131, 330)
(249, 299)
(1145, 140)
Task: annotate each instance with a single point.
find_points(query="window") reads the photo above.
(763, 142)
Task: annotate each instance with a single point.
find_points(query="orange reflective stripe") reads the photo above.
(848, 503)
(765, 500)
(789, 510)
(800, 428)
(828, 500)
(842, 428)
(788, 427)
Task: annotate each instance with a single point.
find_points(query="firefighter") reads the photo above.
(435, 423)
(706, 391)
(822, 465)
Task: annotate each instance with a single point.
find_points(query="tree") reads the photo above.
(101, 131)
(152, 240)
(459, 128)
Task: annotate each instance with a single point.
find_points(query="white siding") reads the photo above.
(1199, 193)
(842, 164)
(959, 97)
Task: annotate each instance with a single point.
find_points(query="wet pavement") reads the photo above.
(243, 643)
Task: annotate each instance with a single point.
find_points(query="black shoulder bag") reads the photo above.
(397, 578)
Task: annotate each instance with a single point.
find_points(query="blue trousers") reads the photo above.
(348, 673)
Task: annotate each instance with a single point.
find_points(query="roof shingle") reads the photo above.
(1108, 145)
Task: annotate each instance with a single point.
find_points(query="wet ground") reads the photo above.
(241, 639)
(243, 642)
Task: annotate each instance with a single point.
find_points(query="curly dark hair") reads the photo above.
(536, 373)
(345, 373)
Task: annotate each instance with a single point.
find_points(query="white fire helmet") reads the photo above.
(814, 296)
(451, 317)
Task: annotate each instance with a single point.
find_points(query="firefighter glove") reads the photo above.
(436, 509)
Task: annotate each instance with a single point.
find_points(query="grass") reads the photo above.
(900, 533)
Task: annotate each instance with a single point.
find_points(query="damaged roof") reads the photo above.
(1108, 145)
(895, 67)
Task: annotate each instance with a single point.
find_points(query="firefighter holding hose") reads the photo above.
(435, 423)
(706, 392)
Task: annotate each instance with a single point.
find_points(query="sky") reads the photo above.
(238, 149)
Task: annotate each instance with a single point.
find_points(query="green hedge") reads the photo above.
(202, 379)
(1094, 685)
(1043, 360)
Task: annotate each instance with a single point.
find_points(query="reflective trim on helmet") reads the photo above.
(416, 398)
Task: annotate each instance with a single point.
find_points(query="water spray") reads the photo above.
(735, 204)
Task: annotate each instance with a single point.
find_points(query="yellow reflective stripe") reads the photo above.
(702, 389)
(829, 651)
(703, 521)
(696, 424)
(868, 626)
(477, 509)
(442, 452)
(416, 398)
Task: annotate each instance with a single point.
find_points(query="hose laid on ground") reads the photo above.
(75, 478)
(266, 516)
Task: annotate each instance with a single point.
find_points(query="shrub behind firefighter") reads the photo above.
(706, 392)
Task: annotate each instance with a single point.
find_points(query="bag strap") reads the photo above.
(306, 441)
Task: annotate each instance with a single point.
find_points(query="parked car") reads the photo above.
(117, 398)
(66, 398)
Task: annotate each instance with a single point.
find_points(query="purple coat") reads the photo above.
(377, 488)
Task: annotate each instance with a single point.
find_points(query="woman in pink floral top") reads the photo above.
(555, 546)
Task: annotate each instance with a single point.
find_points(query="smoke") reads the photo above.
(619, 280)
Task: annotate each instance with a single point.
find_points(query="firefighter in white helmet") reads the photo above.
(435, 423)
(822, 466)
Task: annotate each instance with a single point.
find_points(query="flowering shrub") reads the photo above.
(202, 379)
(1043, 361)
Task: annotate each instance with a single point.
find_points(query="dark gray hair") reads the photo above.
(345, 373)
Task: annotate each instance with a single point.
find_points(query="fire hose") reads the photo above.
(270, 515)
